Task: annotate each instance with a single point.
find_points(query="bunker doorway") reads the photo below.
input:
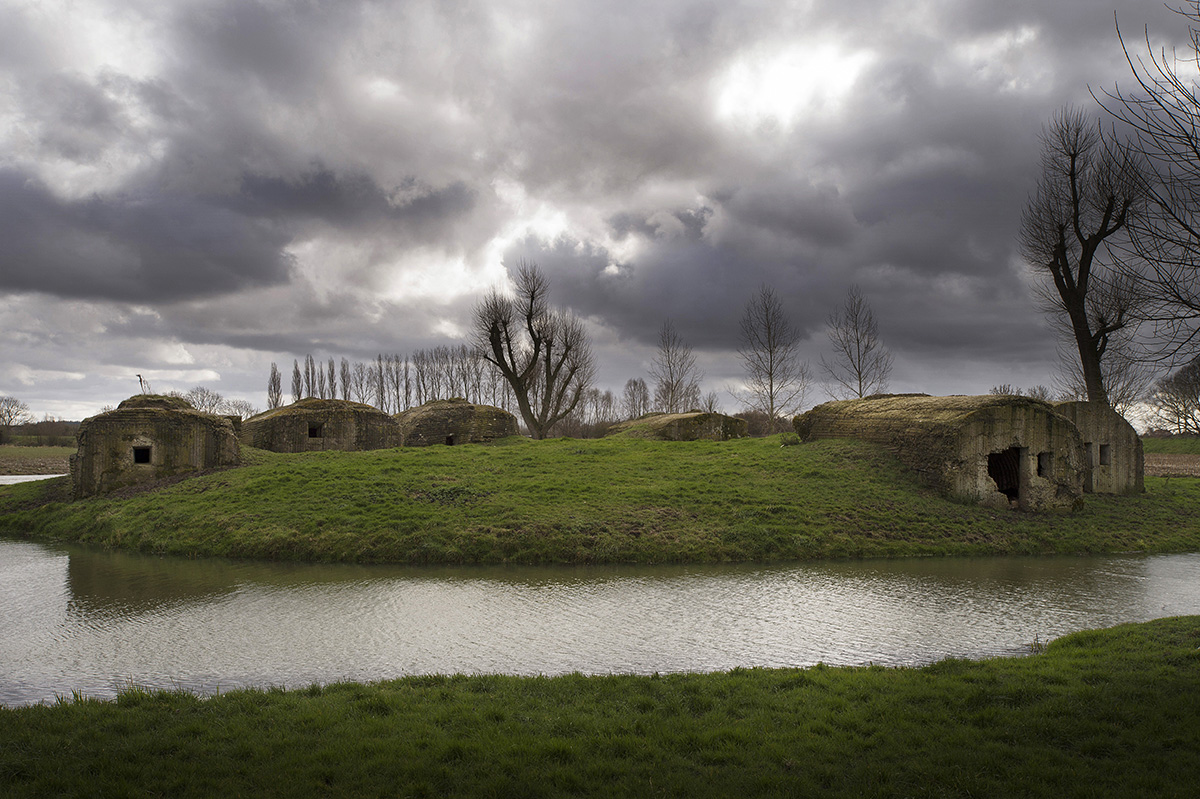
(1005, 470)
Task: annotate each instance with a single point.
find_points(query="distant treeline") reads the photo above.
(394, 383)
(46, 433)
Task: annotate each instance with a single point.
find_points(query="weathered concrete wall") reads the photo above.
(454, 421)
(148, 438)
(315, 425)
(999, 451)
(693, 426)
(1112, 449)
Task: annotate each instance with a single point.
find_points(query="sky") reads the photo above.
(191, 190)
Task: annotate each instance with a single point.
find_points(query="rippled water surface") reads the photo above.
(73, 619)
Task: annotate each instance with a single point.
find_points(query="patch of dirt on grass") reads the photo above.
(1163, 465)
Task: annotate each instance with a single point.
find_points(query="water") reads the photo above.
(73, 619)
(13, 479)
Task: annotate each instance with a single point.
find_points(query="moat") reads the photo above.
(87, 621)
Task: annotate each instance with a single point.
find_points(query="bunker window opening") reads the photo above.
(449, 441)
(315, 431)
(141, 454)
(1105, 454)
(1045, 464)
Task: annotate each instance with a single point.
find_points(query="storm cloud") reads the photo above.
(210, 185)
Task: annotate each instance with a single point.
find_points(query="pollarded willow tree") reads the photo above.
(1089, 191)
(776, 379)
(860, 365)
(542, 352)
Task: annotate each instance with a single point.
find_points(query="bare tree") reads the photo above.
(238, 407)
(360, 386)
(676, 377)
(776, 378)
(310, 376)
(14, 412)
(543, 353)
(274, 388)
(1087, 194)
(297, 382)
(1161, 115)
(346, 379)
(204, 399)
(860, 365)
(635, 399)
(1175, 400)
(1038, 392)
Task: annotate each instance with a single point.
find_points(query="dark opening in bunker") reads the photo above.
(1005, 469)
(141, 454)
(314, 431)
(449, 441)
(1105, 455)
(1045, 464)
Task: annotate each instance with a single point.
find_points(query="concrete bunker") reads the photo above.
(453, 422)
(314, 425)
(1113, 458)
(690, 426)
(999, 451)
(149, 437)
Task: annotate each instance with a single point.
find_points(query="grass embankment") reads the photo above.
(1099, 713)
(571, 501)
(1177, 445)
(34, 460)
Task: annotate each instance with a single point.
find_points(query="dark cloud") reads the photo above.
(144, 248)
(353, 200)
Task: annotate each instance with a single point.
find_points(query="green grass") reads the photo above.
(1177, 445)
(570, 501)
(1098, 713)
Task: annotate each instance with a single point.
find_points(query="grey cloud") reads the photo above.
(353, 200)
(149, 247)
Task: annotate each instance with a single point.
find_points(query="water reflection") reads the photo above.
(75, 619)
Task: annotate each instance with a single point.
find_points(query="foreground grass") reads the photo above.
(569, 501)
(1099, 713)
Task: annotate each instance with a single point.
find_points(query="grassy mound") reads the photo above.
(568, 501)
(1099, 713)
(1177, 445)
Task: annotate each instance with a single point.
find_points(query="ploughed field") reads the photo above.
(34, 460)
(587, 501)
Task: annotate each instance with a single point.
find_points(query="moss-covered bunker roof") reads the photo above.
(921, 409)
(159, 401)
(313, 404)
